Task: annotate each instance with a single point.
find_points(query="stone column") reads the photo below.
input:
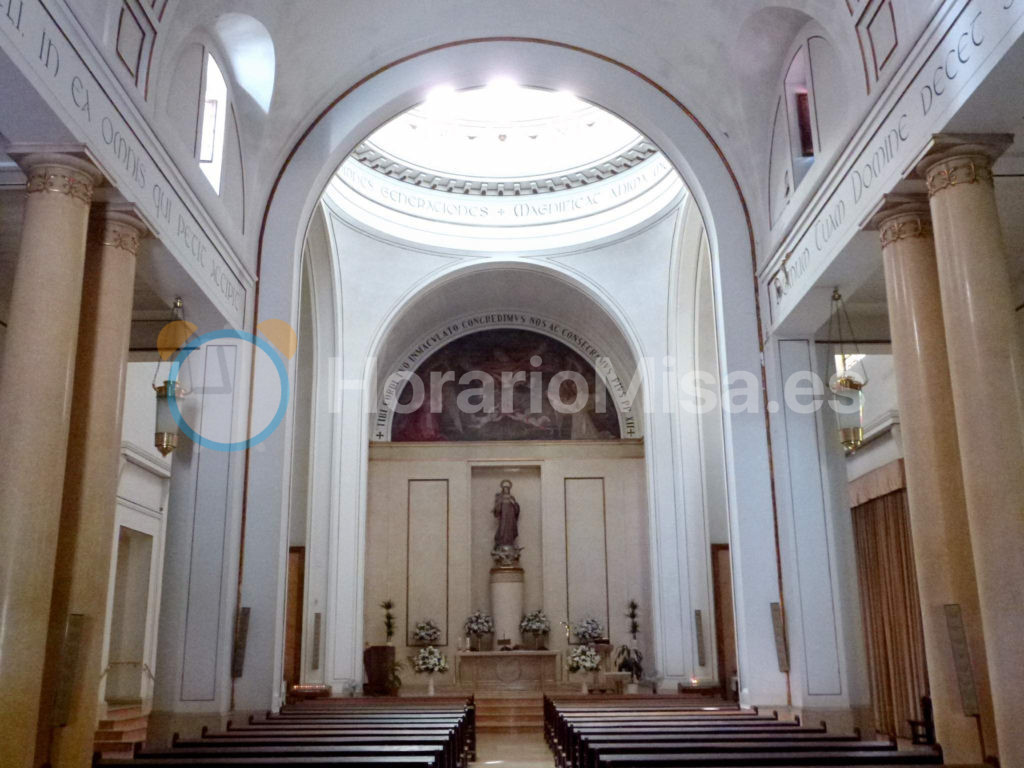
(938, 511)
(36, 378)
(81, 576)
(985, 364)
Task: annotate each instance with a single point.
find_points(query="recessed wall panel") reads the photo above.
(586, 555)
(427, 555)
(205, 590)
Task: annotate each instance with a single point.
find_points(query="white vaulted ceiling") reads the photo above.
(720, 59)
(504, 168)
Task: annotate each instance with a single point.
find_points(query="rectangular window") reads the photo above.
(803, 121)
(209, 137)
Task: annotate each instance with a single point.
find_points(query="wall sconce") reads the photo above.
(848, 379)
(171, 339)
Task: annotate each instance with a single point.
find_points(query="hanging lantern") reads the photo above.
(171, 339)
(848, 379)
(166, 436)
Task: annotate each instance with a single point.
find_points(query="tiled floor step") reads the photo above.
(126, 712)
(114, 749)
(125, 724)
(509, 711)
(117, 734)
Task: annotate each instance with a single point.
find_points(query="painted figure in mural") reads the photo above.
(506, 509)
(510, 361)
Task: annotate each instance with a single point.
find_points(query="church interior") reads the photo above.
(570, 384)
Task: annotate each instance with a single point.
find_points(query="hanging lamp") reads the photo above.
(172, 338)
(848, 376)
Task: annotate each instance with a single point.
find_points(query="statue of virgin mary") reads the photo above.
(506, 509)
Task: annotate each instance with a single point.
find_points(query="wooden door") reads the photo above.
(293, 616)
(725, 620)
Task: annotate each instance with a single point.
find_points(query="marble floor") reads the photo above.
(513, 750)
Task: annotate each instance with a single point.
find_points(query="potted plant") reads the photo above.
(429, 661)
(426, 633)
(631, 660)
(583, 658)
(628, 658)
(534, 626)
(588, 631)
(379, 660)
(479, 625)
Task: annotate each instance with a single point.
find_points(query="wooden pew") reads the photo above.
(425, 734)
(452, 756)
(888, 759)
(602, 736)
(414, 761)
(593, 750)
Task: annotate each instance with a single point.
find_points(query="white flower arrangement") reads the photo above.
(583, 658)
(588, 631)
(479, 623)
(535, 623)
(427, 633)
(429, 660)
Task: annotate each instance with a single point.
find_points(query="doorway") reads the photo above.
(725, 623)
(293, 617)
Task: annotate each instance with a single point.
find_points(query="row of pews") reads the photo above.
(423, 733)
(645, 732)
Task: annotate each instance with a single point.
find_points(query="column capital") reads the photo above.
(954, 159)
(900, 217)
(117, 229)
(61, 174)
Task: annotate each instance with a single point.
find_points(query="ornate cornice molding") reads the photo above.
(60, 179)
(905, 226)
(962, 169)
(376, 160)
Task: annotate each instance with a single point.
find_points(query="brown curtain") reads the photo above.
(892, 613)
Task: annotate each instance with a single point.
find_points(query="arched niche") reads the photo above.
(250, 54)
(511, 295)
(702, 163)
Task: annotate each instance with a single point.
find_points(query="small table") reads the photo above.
(515, 670)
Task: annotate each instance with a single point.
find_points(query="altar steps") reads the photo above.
(509, 711)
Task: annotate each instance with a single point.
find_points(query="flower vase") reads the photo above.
(584, 688)
(530, 641)
(430, 684)
(475, 642)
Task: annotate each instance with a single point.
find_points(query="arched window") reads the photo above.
(212, 120)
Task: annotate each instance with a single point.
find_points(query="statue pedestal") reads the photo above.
(507, 603)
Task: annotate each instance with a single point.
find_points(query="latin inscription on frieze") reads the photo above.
(978, 31)
(29, 34)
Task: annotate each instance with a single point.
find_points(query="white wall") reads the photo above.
(822, 608)
(430, 532)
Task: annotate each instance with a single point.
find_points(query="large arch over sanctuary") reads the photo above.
(648, 355)
(681, 592)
